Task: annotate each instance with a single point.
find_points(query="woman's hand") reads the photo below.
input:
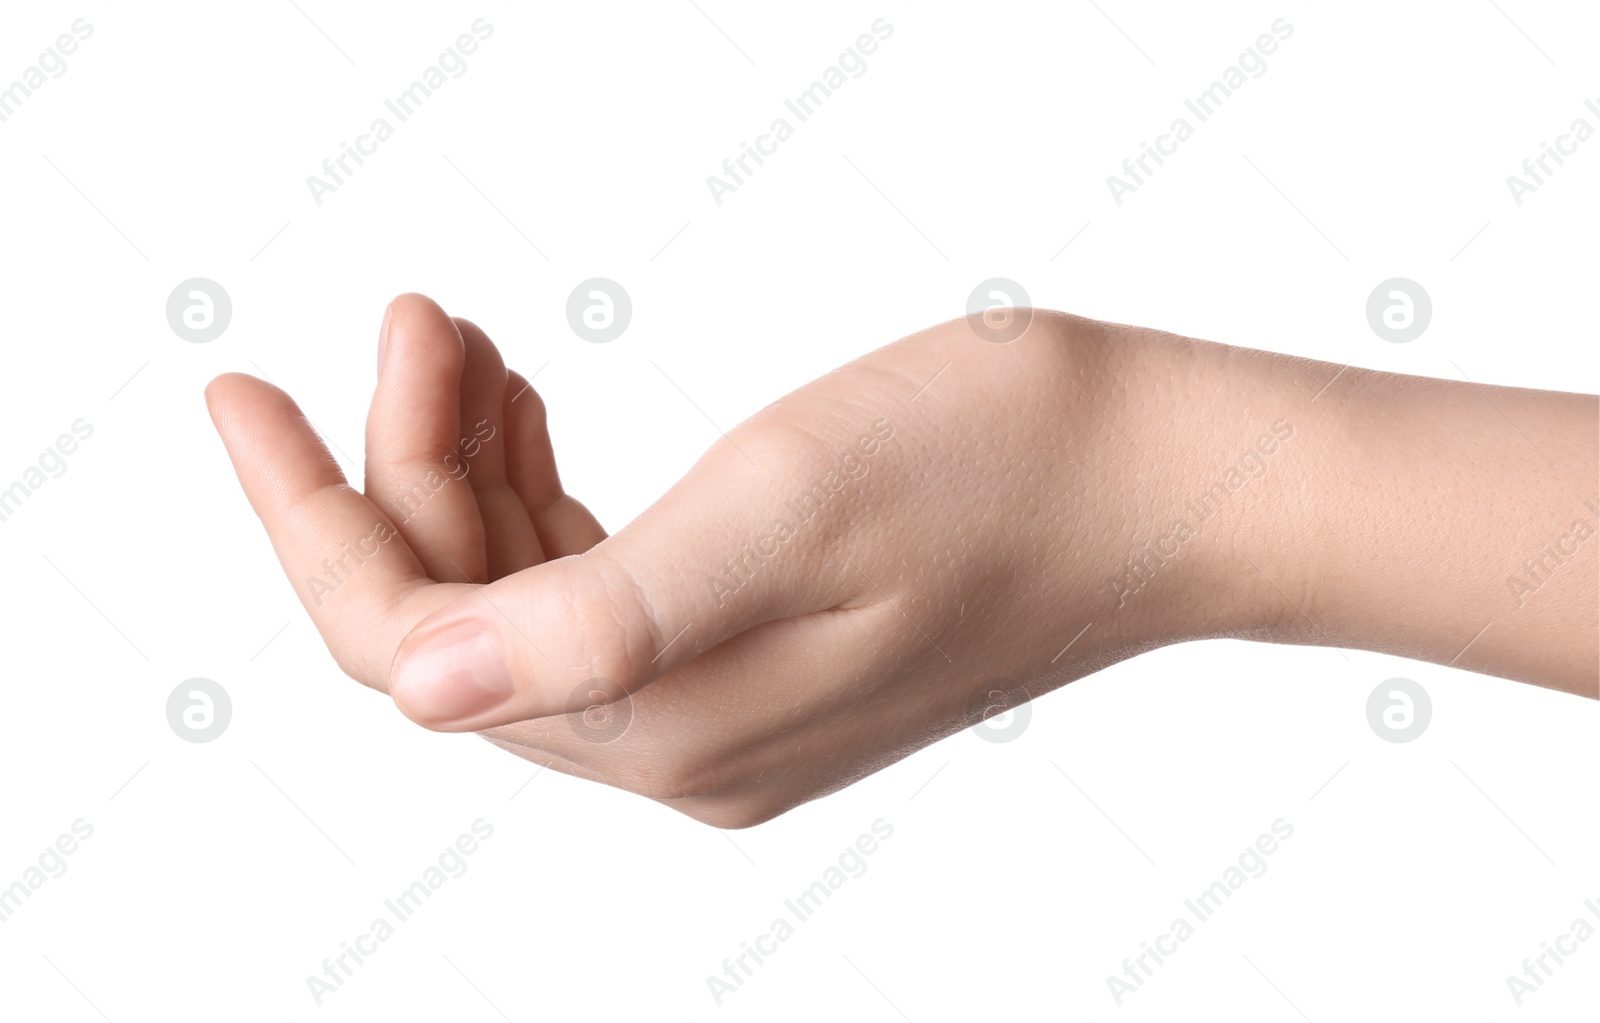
(943, 528)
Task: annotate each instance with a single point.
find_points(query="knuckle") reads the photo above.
(600, 622)
(813, 473)
(527, 400)
(781, 441)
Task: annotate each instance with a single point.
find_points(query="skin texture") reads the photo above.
(943, 528)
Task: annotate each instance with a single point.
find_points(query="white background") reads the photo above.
(977, 143)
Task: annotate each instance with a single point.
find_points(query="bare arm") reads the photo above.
(1443, 520)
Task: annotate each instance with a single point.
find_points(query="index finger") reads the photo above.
(350, 567)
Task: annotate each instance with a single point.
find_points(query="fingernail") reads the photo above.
(383, 339)
(452, 675)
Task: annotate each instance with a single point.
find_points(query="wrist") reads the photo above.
(1434, 519)
(1166, 487)
(1222, 443)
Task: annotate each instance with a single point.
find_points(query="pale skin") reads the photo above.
(942, 526)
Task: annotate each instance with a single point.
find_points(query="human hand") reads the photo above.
(939, 528)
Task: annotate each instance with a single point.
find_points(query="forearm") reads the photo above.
(1436, 519)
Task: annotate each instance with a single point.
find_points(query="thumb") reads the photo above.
(740, 541)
